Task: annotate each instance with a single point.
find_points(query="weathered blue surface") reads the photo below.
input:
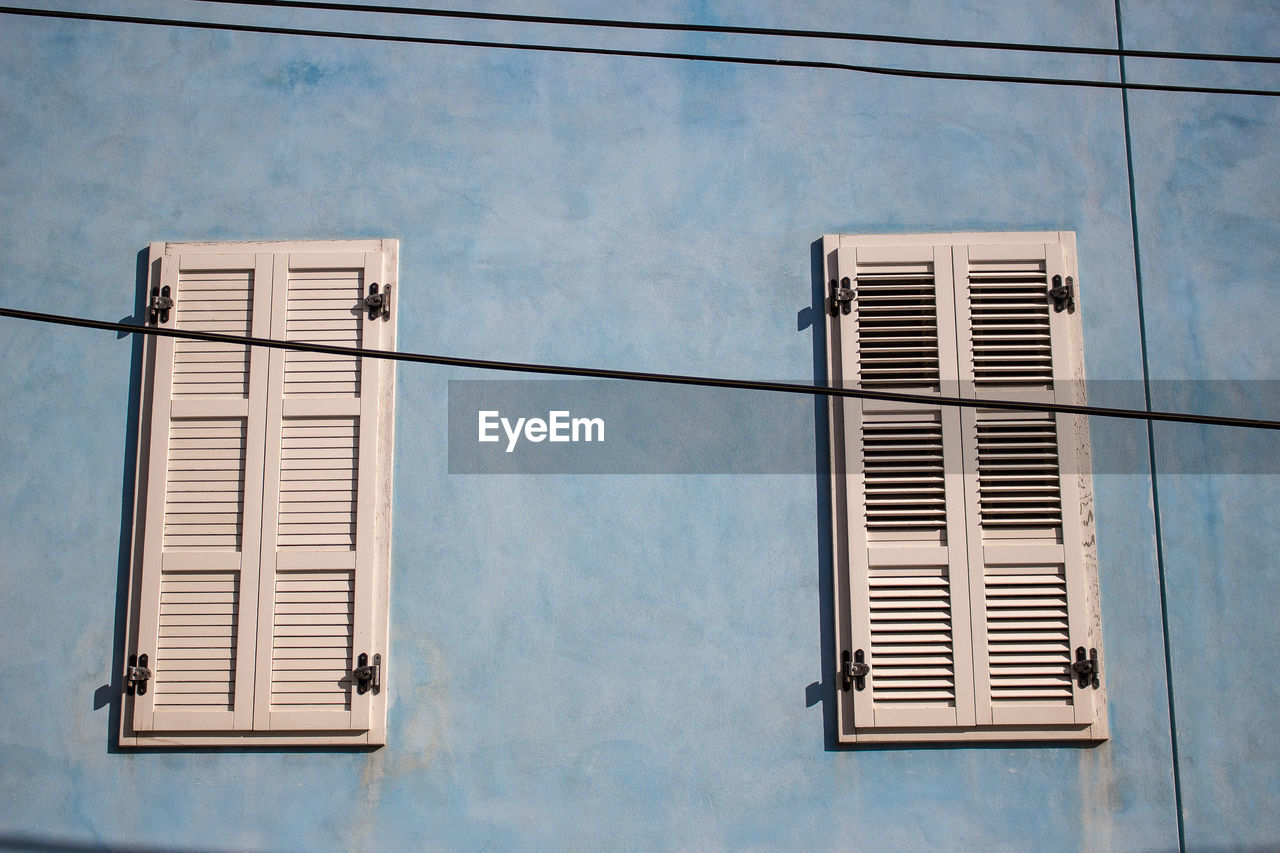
(636, 661)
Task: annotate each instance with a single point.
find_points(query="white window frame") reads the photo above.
(254, 720)
(858, 721)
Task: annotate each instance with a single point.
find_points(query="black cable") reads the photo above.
(640, 376)
(1157, 517)
(752, 31)
(642, 54)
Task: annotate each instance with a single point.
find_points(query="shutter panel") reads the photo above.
(199, 561)
(909, 609)
(1025, 548)
(317, 591)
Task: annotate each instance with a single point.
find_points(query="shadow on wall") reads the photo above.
(813, 317)
(109, 694)
(41, 844)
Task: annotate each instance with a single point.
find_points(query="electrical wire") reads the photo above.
(641, 54)
(753, 31)
(641, 376)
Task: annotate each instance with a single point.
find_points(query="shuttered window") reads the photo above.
(965, 573)
(262, 514)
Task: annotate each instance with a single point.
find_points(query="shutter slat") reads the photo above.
(312, 635)
(219, 302)
(1010, 329)
(911, 651)
(323, 307)
(897, 324)
(1018, 473)
(1028, 637)
(196, 656)
(904, 477)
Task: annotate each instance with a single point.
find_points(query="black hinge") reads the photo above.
(841, 296)
(1063, 295)
(136, 675)
(853, 670)
(1087, 669)
(379, 304)
(368, 676)
(159, 306)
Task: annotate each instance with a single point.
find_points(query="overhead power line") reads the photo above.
(641, 376)
(722, 29)
(642, 54)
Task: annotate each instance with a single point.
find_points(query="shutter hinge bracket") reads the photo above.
(1063, 295)
(853, 670)
(379, 304)
(368, 676)
(159, 306)
(1086, 669)
(136, 675)
(841, 296)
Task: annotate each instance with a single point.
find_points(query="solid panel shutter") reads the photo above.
(203, 498)
(1026, 549)
(909, 606)
(316, 600)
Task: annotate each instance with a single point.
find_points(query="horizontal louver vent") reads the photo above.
(911, 643)
(218, 302)
(904, 478)
(318, 458)
(1009, 307)
(205, 484)
(1018, 474)
(311, 636)
(323, 307)
(1027, 637)
(195, 661)
(897, 329)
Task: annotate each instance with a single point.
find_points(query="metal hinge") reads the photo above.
(1063, 296)
(853, 670)
(368, 676)
(1086, 669)
(136, 675)
(159, 306)
(841, 296)
(379, 304)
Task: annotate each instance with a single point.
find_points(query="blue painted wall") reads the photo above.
(638, 661)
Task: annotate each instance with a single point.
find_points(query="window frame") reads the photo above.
(378, 483)
(850, 728)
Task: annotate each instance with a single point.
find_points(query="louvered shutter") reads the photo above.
(262, 524)
(909, 608)
(1026, 551)
(964, 566)
(317, 590)
(203, 498)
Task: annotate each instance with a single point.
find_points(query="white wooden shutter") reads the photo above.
(964, 566)
(262, 524)
(909, 608)
(1025, 538)
(203, 499)
(316, 598)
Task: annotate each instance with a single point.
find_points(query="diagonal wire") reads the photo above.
(724, 29)
(642, 376)
(643, 54)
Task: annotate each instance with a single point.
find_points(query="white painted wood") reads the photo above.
(203, 495)
(1015, 592)
(321, 474)
(252, 645)
(901, 496)
(1024, 607)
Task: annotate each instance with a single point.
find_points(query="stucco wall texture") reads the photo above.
(641, 662)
